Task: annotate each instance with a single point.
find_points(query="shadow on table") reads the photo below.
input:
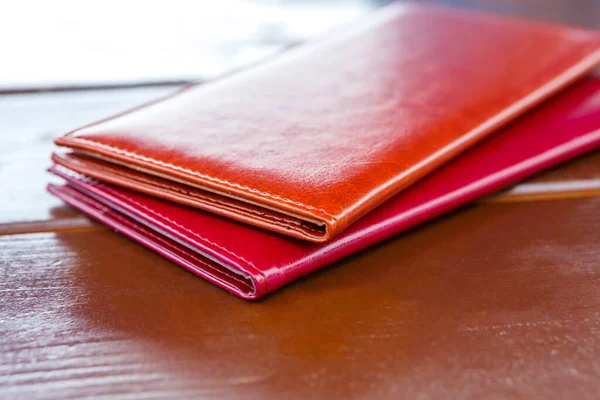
(479, 293)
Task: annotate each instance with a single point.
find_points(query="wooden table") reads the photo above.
(500, 299)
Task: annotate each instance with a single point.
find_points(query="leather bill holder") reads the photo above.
(250, 262)
(308, 142)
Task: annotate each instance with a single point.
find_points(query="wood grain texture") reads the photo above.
(26, 207)
(578, 178)
(586, 168)
(29, 123)
(495, 301)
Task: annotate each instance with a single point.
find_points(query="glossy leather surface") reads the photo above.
(327, 132)
(251, 262)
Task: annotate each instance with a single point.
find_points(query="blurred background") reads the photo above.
(62, 44)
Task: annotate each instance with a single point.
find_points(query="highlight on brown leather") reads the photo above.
(374, 109)
(194, 196)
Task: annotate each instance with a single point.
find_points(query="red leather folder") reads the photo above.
(251, 262)
(308, 142)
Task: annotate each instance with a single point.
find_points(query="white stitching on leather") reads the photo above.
(171, 245)
(105, 209)
(189, 171)
(200, 196)
(123, 197)
(166, 219)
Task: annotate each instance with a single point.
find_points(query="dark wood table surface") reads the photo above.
(500, 299)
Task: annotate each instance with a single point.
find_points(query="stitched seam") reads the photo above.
(160, 239)
(97, 206)
(273, 219)
(172, 246)
(166, 219)
(189, 171)
(206, 198)
(69, 136)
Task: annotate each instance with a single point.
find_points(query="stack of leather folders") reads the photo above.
(255, 179)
